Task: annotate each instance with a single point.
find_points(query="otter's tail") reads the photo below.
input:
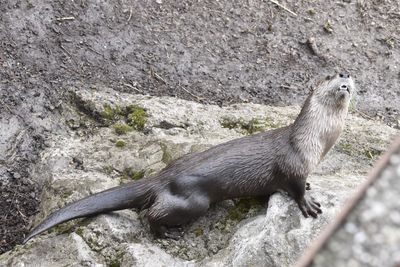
(131, 195)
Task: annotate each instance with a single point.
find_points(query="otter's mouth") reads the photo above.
(344, 88)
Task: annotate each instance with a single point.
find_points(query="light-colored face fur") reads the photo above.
(335, 91)
(322, 118)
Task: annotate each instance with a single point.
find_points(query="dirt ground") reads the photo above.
(218, 52)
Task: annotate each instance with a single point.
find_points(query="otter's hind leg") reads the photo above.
(174, 210)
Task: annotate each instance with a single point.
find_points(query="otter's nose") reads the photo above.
(344, 87)
(344, 75)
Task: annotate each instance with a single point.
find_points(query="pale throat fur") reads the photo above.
(320, 122)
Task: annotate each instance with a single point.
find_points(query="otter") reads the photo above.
(251, 166)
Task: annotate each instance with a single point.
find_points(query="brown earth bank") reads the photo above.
(213, 52)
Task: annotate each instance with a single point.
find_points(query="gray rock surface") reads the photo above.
(235, 233)
(370, 236)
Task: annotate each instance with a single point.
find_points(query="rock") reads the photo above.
(148, 255)
(368, 234)
(235, 233)
(66, 250)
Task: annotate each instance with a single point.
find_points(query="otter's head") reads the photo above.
(336, 90)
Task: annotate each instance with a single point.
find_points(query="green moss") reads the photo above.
(107, 113)
(347, 148)
(229, 123)
(117, 260)
(110, 114)
(250, 127)
(166, 157)
(115, 263)
(137, 175)
(137, 117)
(221, 225)
(121, 129)
(198, 232)
(66, 194)
(120, 144)
(93, 243)
(242, 207)
(130, 174)
(363, 149)
(79, 231)
(253, 126)
(108, 169)
(372, 153)
(126, 173)
(270, 124)
(83, 223)
(64, 228)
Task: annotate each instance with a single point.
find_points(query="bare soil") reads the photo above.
(214, 52)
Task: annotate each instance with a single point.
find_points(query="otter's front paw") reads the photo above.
(309, 207)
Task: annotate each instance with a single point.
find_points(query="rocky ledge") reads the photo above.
(114, 138)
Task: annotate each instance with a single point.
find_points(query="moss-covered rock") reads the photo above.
(116, 261)
(108, 169)
(136, 117)
(122, 129)
(248, 126)
(110, 114)
(242, 208)
(166, 157)
(120, 144)
(198, 232)
(129, 174)
(238, 227)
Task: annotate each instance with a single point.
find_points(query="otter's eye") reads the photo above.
(327, 78)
